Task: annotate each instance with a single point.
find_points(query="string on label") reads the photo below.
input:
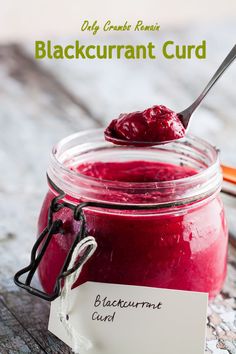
(83, 251)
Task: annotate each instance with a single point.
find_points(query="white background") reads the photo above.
(24, 19)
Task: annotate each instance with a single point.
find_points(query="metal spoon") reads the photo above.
(186, 114)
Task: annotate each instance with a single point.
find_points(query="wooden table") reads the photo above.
(43, 101)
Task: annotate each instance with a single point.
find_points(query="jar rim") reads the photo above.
(58, 169)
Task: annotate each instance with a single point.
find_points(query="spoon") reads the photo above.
(186, 114)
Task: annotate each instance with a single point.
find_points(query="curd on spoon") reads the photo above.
(154, 125)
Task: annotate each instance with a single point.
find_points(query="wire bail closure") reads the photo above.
(53, 227)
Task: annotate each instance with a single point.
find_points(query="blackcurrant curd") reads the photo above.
(155, 124)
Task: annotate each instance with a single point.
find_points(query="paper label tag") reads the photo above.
(115, 319)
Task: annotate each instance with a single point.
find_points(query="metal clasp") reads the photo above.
(53, 227)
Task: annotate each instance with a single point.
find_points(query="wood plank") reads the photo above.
(33, 314)
(25, 71)
(14, 338)
(221, 326)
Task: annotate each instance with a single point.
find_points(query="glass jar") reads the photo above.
(179, 243)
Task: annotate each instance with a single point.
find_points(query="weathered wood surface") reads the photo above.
(41, 102)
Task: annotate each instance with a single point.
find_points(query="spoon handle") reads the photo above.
(229, 174)
(226, 63)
